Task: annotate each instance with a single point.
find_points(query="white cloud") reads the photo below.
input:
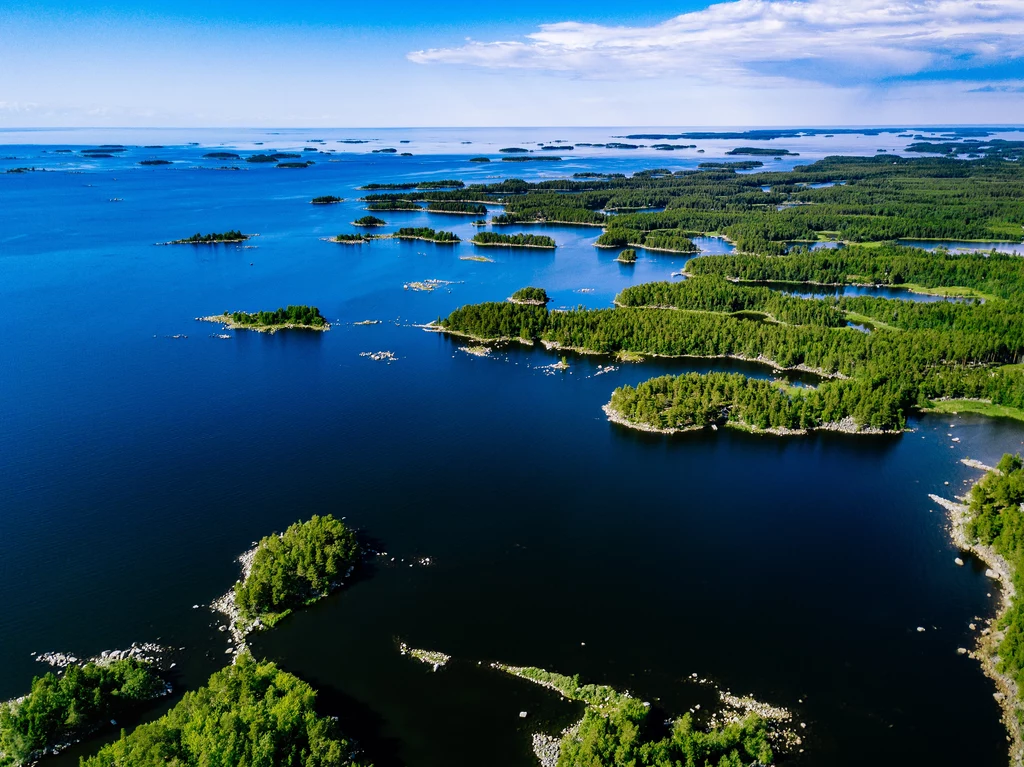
(828, 41)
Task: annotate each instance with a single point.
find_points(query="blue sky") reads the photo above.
(399, 63)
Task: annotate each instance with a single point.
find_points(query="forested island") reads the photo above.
(914, 355)
(327, 199)
(759, 151)
(353, 239)
(250, 713)
(628, 256)
(155, 162)
(393, 205)
(298, 567)
(495, 239)
(429, 235)
(60, 709)
(530, 297)
(212, 239)
(369, 221)
(667, 242)
(294, 317)
(460, 208)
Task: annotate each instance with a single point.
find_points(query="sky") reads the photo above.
(265, 63)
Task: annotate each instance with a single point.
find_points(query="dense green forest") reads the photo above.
(205, 239)
(537, 296)
(296, 568)
(369, 221)
(327, 199)
(61, 708)
(513, 240)
(393, 205)
(308, 316)
(628, 256)
(249, 713)
(423, 233)
(473, 208)
(997, 520)
(354, 237)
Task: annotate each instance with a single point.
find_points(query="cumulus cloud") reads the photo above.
(826, 41)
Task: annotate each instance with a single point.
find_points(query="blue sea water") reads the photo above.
(141, 453)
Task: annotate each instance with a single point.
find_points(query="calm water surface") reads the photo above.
(137, 465)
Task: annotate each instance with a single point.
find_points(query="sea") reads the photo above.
(141, 451)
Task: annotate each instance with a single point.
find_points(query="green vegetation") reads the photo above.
(369, 221)
(628, 256)
(620, 731)
(262, 158)
(295, 164)
(513, 150)
(393, 205)
(155, 162)
(423, 233)
(296, 568)
(218, 155)
(981, 407)
(354, 237)
(207, 239)
(470, 208)
(327, 199)
(536, 296)
(479, 159)
(249, 713)
(996, 519)
(294, 316)
(513, 240)
(520, 158)
(59, 709)
(762, 152)
(664, 241)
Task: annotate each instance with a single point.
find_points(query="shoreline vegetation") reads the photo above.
(521, 240)
(989, 523)
(369, 221)
(327, 199)
(248, 713)
(530, 297)
(218, 238)
(293, 318)
(60, 709)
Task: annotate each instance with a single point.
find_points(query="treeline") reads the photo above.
(513, 240)
(293, 315)
(458, 207)
(713, 294)
(201, 239)
(61, 708)
(674, 242)
(693, 400)
(249, 713)
(299, 566)
(996, 273)
(997, 520)
(537, 296)
(424, 233)
(393, 205)
(327, 199)
(369, 221)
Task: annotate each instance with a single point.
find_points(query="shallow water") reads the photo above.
(138, 465)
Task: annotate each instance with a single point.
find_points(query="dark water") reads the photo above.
(875, 291)
(136, 466)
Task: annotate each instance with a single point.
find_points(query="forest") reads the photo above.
(327, 199)
(308, 316)
(424, 233)
(206, 239)
(473, 208)
(250, 713)
(60, 708)
(369, 221)
(537, 296)
(513, 240)
(298, 567)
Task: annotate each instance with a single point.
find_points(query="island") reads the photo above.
(665, 242)
(393, 205)
(263, 158)
(741, 165)
(519, 158)
(458, 208)
(530, 297)
(222, 156)
(327, 199)
(295, 164)
(369, 221)
(762, 151)
(428, 235)
(213, 239)
(249, 713)
(292, 318)
(155, 162)
(300, 566)
(285, 156)
(59, 710)
(353, 239)
(628, 256)
(389, 150)
(513, 150)
(496, 240)
(479, 159)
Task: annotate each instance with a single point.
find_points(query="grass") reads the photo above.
(948, 291)
(790, 389)
(870, 322)
(974, 406)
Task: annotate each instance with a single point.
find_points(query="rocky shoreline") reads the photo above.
(230, 324)
(987, 647)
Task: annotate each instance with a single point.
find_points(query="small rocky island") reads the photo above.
(213, 239)
(327, 199)
(369, 221)
(530, 297)
(496, 240)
